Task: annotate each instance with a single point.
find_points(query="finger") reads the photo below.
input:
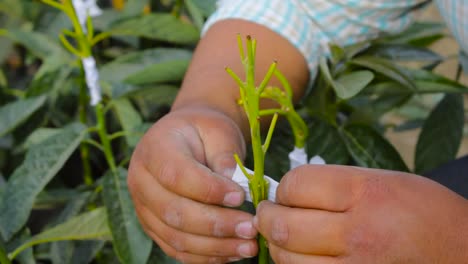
(306, 231)
(178, 171)
(190, 216)
(325, 187)
(283, 256)
(199, 245)
(185, 257)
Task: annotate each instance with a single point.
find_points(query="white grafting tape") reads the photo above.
(297, 157)
(92, 80)
(240, 179)
(83, 8)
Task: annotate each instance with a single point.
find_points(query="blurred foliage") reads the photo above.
(46, 119)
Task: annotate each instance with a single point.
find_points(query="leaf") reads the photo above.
(337, 53)
(129, 119)
(3, 79)
(207, 7)
(40, 45)
(15, 113)
(352, 83)
(385, 68)
(86, 251)
(369, 149)
(40, 165)
(423, 87)
(134, 8)
(131, 244)
(158, 256)
(62, 252)
(90, 225)
(158, 26)
(27, 255)
(441, 134)
(195, 13)
(144, 64)
(419, 33)
(404, 52)
(39, 135)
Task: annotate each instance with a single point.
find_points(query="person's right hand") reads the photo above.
(179, 182)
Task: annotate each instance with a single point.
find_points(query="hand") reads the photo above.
(179, 179)
(338, 214)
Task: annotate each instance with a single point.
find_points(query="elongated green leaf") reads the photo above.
(14, 114)
(424, 87)
(195, 13)
(404, 52)
(352, 83)
(86, 251)
(87, 226)
(40, 165)
(27, 255)
(61, 252)
(170, 71)
(419, 33)
(39, 135)
(131, 244)
(207, 7)
(3, 79)
(441, 134)
(129, 119)
(134, 8)
(369, 149)
(386, 68)
(37, 43)
(158, 26)
(137, 63)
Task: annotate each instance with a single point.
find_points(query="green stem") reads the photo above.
(3, 254)
(84, 148)
(103, 135)
(263, 251)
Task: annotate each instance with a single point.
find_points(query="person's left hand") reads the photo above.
(337, 214)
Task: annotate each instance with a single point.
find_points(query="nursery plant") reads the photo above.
(64, 151)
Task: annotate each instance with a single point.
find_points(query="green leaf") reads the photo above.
(87, 226)
(441, 134)
(423, 87)
(404, 52)
(40, 165)
(419, 33)
(171, 71)
(159, 257)
(131, 244)
(337, 53)
(385, 68)
(134, 8)
(352, 83)
(369, 149)
(27, 255)
(158, 26)
(40, 45)
(86, 251)
(3, 79)
(39, 135)
(129, 119)
(61, 252)
(207, 7)
(15, 113)
(152, 65)
(195, 13)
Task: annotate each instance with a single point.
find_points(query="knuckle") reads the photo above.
(173, 214)
(168, 175)
(178, 242)
(279, 232)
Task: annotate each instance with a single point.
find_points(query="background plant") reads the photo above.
(54, 174)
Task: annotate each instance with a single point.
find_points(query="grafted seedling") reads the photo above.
(250, 97)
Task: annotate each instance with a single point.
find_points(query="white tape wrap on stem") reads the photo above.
(92, 80)
(240, 179)
(83, 8)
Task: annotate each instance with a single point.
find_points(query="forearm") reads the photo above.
(207, 84)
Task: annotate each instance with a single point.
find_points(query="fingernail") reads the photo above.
(233, 199)
(245, 250)
(246, 230)
(234, 259)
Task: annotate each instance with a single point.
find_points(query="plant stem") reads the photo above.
(3, 254)
(104, 136)
(84, 148)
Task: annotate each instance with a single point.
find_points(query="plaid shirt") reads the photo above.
(311, 24)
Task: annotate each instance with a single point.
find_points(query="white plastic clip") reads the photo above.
(92, 80)
(240, 179)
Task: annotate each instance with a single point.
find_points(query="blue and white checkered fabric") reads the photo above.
(312, 24)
